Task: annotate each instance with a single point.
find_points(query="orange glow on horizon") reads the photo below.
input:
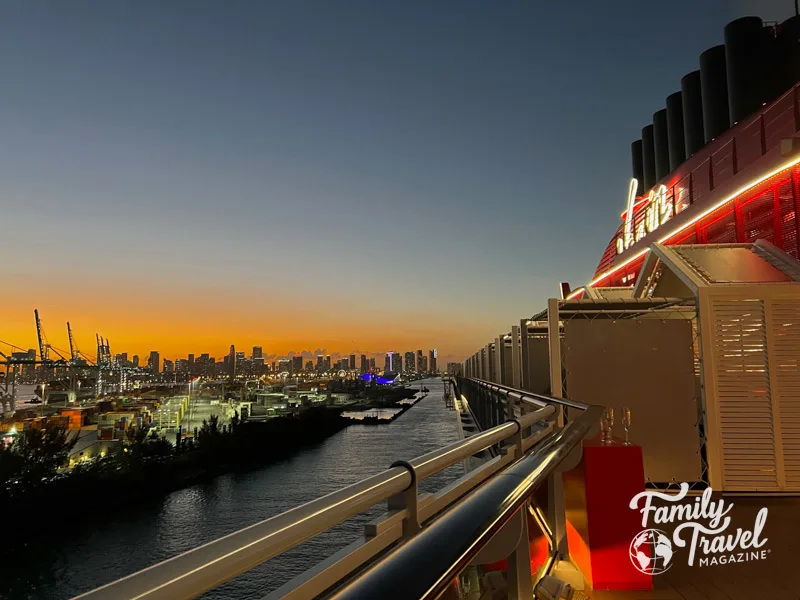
(140, 319)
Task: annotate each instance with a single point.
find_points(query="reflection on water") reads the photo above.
(187, 518)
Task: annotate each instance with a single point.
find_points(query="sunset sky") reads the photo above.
(340, 176)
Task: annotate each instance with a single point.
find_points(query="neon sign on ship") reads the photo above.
(659, 211)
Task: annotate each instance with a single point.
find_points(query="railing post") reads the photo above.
(510, 414)
(408, 500)
(525, 378)
(516, 363)
(520, 578)
(556, 514)
(554, 341)
(499, 348)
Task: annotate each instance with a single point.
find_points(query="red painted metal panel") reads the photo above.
(748, 144)
(701, 181)
(722, 164)
(779, 121)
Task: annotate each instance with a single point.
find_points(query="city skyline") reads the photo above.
(86, 343)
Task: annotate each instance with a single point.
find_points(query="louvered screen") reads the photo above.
(722, 230)
(757, 218)
(788, 219)
(743, 395)
(785, 330)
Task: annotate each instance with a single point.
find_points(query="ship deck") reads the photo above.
(775, 578)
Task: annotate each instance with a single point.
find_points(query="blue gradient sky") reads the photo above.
(184, 175)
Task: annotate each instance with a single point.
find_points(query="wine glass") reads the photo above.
(626, 423)
(609, 419)
(604, 429)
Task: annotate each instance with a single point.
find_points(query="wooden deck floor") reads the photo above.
(776, 578)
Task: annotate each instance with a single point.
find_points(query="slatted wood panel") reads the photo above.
(743, 395)
(785, 329)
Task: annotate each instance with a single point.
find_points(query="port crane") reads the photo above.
(73, 349)
(45, 347)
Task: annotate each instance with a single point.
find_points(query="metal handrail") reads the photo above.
(210, 565)
(528, 397)
(425, 565)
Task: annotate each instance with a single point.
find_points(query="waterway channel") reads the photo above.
(79, 561)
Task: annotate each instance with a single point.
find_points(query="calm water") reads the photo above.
(198, 514)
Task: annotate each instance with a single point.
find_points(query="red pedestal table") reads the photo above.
(600, 523)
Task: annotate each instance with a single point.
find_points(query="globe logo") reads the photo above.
(651, 552)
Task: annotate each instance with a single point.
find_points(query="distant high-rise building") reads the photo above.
(327, 362)
(343, 364)
(364, 363)
(309, 366)
(394, 362)
(257, 352)
(422, 364)
(181, 366)
(284, 365)
(320, 363)
(244, 366)
(135, 360)
(372, 364)
(297, 364)
(169, 366)
(420, 357)
(432, 360)
(232, 361)
(201, 365)
(410, 362)
(190, 364)
(352, 362)
(154, 362)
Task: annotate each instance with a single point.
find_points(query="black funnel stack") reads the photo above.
(677, 146)
(787, 47)
(648, 158)
(745, 50)
(693, 134)
(755, 66)
(714, 88)
(661, 144)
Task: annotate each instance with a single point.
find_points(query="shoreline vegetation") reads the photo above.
(144, 469)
